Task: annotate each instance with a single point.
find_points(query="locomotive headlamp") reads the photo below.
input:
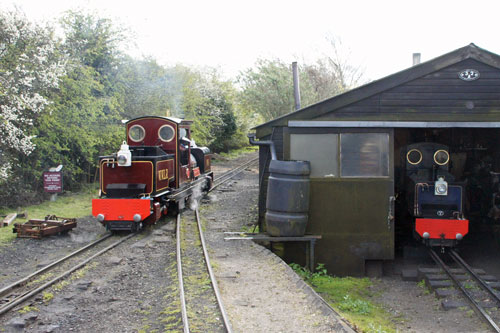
(100, 217)
(441, 157)
(440, 187)
(414, 156)
(137, 217)
(124, 156)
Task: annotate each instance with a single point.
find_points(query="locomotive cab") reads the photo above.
(141, 180)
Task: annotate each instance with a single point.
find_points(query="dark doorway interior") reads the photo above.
(474, 161)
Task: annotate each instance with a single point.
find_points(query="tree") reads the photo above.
(334, 73)
(268, 88)
(208, 101)
(84, 117)
(30, 67)
(148, 88)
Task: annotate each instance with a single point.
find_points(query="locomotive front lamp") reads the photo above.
(100, 217)
(124, 156)
(440, 187)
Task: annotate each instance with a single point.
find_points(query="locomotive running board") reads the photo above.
(195, 185)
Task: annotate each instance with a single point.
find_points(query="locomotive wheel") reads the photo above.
(173, 208)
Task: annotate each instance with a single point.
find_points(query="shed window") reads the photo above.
(364, 154)
(319, 149)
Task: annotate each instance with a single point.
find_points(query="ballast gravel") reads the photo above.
(133, 288)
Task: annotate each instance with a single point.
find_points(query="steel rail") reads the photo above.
(454, 255)
(215, 287)
(182, 295)
(20, 282)
(35, 291)
(478, 308)
(236, 171)
(242, 166)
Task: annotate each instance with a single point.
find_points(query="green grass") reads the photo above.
(423, 285)
(351, 297)
(69, 206)
(28, 308)
(238, 152)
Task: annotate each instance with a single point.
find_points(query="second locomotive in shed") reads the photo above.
(434, 199)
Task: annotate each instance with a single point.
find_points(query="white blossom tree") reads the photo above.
(30, 67)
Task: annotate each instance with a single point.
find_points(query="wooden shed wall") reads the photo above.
(438, 96)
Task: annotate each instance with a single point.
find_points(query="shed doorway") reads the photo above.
(474, 155)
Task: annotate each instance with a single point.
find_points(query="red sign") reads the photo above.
(52, 181)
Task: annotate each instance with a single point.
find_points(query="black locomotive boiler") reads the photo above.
(435, 200)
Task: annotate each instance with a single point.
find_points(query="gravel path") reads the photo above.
(134, 287)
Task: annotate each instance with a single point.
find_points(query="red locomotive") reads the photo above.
(158, 168)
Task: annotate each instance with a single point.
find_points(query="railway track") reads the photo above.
(474, 288)
(26, 288)
(193, 276)
(23, 291)
(200, 266)
(231, 173)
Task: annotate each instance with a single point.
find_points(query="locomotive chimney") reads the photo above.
(416, 59)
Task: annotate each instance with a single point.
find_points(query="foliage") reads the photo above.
(62, 100)
(47, 296)
(30, 67)
(210, 103)
(82, 120)
(27, 309)
(268, 88)
(351, 297)
(148, 88)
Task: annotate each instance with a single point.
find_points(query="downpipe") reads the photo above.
(251, 139)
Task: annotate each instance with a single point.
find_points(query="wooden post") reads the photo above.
(8, 219)
(296, 86)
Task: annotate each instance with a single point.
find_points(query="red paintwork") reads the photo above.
(437, 227)
(155, 216)
(196, 172)
(121, 209)
(151, 126)
(140, 172)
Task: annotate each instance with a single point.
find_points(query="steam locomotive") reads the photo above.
(155, 170)
(434, 199)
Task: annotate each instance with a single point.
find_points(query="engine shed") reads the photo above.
(356, 145)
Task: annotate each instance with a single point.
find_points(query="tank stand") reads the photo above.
(263, 237)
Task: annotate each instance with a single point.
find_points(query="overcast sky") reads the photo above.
(232, 34)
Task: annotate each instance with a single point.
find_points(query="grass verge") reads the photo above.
(72, 205)
(238, 152)
(351, 297)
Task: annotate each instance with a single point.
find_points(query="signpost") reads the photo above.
(53, 182)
